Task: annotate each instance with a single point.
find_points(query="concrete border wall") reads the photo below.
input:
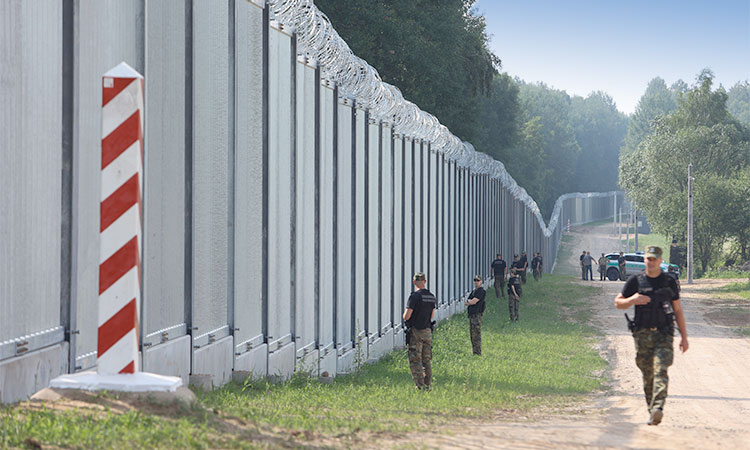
(283, 219)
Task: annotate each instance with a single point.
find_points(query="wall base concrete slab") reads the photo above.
(308, 363)
(399, 340)
(345, 363)
(216, 360)
(22, 376)
(170, 358)
(281, 362)
(381, 346)
(452, 308)
(327, 364)
(255, 362)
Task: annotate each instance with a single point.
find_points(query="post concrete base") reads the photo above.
(216, 360)
(254, 362)
(122, 382)
(170, 358)
(452, 308)
(327, 364)
(22, 376)
(281, 362)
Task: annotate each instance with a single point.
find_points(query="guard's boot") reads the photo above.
(656, 416)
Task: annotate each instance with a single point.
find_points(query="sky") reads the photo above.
(619, 46)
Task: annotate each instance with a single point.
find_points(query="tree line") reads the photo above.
(709, 128)
(552, 143)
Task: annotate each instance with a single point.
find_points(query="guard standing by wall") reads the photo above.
(583, 269)
(517, 265)
(499, 271)
(514, 293)
(524, 266)
(657, 304)
(476, 305)
(418, 315)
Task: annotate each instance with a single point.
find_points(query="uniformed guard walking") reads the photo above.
(536, 266)
(418, 316)
(514, 293)
(657, 304)
(476, 305)
(499, 271)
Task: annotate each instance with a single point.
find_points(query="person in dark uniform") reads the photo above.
(499, 271)
(657, 304)
(536, 265)
(418, 315)
(514, 292)
(518, 265)
(476, 305)
(621, 265)
(524, 266)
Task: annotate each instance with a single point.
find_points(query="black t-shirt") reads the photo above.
(498, 267)
(620, 262)
(647, 312)
(422, 303)
(522, 261)
(536, 261)
(479, 306)
(518, 264)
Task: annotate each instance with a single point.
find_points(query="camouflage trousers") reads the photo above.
(475, 331)
(499, 285)
(420, 356)
(513, 306)
(654, 355)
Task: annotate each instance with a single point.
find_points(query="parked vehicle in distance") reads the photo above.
(634, 263)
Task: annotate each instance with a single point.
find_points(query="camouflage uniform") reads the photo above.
(654, 354)
(475, 330)
(499, 284)
(420, 356)
(513, 299)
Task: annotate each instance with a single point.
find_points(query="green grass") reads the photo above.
(542, 361)
(724, 274)
(741, 289)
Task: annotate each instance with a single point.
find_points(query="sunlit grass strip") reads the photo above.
(544, 361)
(541, 360)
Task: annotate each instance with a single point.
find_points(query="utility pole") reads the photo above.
(635, 220)
(614, 217)
(627, 227)
(690, 226)
(619, 231)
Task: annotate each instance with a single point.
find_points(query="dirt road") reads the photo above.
(709, 390)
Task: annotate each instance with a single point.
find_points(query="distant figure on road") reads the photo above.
(588, 261)
(621, 266)
(603, 261)
(499, 271)
(583, 268)
(420, 310)
(657, 304)
(476, 305)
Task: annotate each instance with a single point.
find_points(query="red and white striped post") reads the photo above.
(118, 365)
(121, 214)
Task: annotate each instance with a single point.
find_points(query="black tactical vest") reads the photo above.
(658, 313)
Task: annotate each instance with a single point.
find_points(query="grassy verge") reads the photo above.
(740, 289)
(543, 361)
(724, 274)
